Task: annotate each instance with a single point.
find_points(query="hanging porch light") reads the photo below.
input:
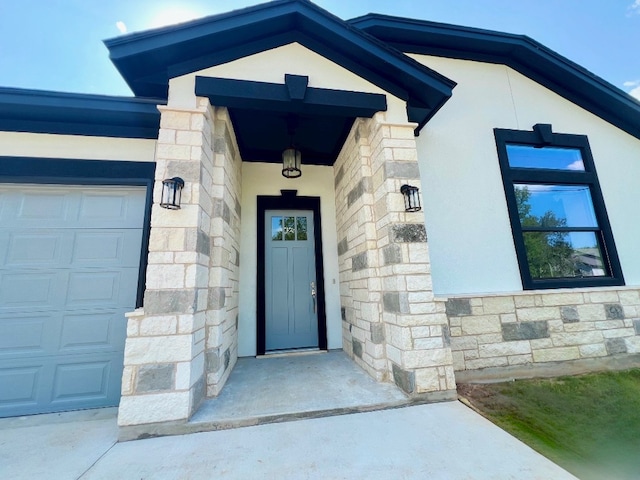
(291, 159)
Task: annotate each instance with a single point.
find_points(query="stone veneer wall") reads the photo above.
(392, 326)
(190, 300)
(531, 329)
(222, 313)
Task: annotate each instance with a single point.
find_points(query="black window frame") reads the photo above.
(542, 136)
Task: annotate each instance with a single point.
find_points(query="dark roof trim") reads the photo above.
(279, 98)
(147, 60)
(39, 111)
(519, 52)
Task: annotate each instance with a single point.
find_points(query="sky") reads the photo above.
(57, 44)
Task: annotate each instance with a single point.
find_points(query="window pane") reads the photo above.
(564, 255)
(289, 228)
(302, 227)
(555, 206)
(276, 228)
(526, 156)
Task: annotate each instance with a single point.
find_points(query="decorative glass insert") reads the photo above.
(301, 223)
(276, 228)
(527, 156)
(289, 228)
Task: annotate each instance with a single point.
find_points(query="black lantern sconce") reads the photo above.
(171, 193)
(411, 198)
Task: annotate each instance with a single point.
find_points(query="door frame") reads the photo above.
(288, 201)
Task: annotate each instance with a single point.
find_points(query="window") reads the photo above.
(558, 218)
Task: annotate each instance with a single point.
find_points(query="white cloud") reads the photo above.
(123, 28)
(631, 84)
(577, 165)
(635, 92)
(634, 8)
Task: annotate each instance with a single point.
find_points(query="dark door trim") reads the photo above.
(289, 201)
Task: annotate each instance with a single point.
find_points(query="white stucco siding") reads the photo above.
(470, 237)
(266, 179)
(42, 145)
(271, 66)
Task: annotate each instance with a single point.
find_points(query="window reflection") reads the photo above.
(276, 228)
(555, 205)
(289, 228)
(564, 254)
(302, 227)
(526, 156)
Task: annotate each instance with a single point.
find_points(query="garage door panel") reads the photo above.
(36, 289)
(106, 288)
(93, 332)
(97, 248)
(34, 249)
(83, 379)
(24, 335)
(34, 206)
(19, 385)
(110, 209)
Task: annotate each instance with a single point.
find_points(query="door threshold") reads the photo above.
(292, 353)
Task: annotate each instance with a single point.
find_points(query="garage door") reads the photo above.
(69, 259)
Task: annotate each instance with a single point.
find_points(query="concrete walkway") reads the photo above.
(436, 441)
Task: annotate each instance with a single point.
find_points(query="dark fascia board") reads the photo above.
(519, 52)
(148, 59)
(276, 97)
(39, 111)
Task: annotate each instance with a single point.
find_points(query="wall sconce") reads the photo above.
(411, 198)
(291, 159)
(171, 193)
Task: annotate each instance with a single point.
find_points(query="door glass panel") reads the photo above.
(289, 228)
(302, 227)
(527, 156)
(564, 255)
(553, 206)
(276, 228)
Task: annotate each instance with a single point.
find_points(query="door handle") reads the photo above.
(313, 295)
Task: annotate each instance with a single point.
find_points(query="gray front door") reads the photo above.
(290, 285)
(69, 261)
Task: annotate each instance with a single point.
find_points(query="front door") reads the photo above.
(291, 287)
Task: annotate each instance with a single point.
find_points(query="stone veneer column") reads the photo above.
(392, 325)
(164, 373)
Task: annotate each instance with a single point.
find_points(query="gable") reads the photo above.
(519, 52)
(147, 60)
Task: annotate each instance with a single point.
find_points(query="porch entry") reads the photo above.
(290, 274)
(291, 287)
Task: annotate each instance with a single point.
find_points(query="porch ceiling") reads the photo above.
(268, 117)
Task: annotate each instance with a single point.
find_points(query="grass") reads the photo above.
(588, 424)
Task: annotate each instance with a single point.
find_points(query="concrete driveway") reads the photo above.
(436, 441)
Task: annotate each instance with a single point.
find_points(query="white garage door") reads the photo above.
(69, 259)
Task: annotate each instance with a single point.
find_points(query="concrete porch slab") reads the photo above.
(297, 386)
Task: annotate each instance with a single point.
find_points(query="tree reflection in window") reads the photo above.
(553, 249)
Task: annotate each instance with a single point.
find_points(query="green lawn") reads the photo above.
(588, 424)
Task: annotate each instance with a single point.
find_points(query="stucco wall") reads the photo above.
(470, 238)
(42, 145)
(266, 179)
(271, 66)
